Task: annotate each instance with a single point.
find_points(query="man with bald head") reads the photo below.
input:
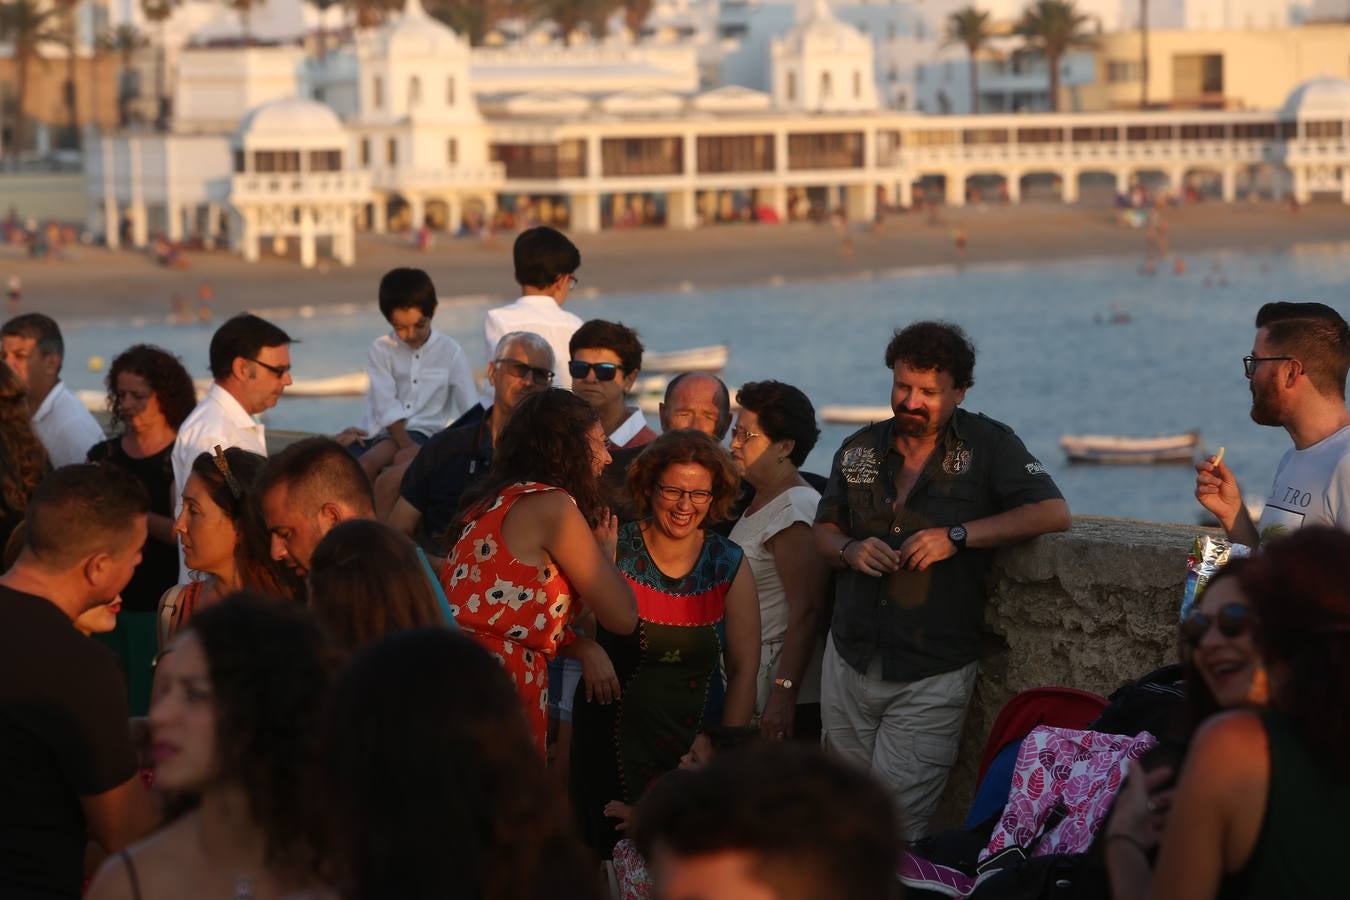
(696, 400)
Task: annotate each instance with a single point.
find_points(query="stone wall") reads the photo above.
(1090, 609)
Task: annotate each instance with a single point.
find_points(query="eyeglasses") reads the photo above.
(741, 436)
(522, 370)
(674, 494)
(603, 371)
(1249, 362)
(572, 282)
(1234, 620)
(279, 371)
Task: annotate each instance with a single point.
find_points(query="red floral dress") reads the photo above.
(518, 611)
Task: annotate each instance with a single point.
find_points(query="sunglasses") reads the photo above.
(522, 371)
(279, 371)
(603, 371)
(1234, 620)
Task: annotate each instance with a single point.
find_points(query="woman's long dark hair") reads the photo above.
(270, 669)
(367, 580)
(1299, 588)
(432, 786)
(163, 373)
(253, 550)
(544, 440)
(23, 459)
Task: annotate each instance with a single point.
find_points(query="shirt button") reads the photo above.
(414, 381)
(895, 530)
(883, 601)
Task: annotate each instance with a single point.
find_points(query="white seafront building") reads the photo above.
(408, 125)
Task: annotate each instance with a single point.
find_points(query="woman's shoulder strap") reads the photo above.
(132, 875)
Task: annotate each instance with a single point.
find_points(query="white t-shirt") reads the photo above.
(1312, 487)
(752, 533)
(426, 387)
(65, 428)
(541, 315)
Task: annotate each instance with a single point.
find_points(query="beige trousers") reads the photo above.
(906, 732)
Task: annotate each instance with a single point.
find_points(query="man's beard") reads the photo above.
(1265, 410)
(911, 425)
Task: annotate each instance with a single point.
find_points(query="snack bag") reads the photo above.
(1208, 555)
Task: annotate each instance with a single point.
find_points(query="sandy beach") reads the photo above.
(98, 283)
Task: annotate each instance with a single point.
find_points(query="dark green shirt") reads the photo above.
(923, 623)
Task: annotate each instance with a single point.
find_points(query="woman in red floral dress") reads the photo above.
(536, 544)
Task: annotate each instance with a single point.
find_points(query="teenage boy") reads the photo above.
(546, 263)
(419, 379)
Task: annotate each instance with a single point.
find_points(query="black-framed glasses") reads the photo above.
(521, 370)
(1249, 363)
(603, 371)
(741, 436)
(572, 282)
(1234, 620)
(674, 494)
(279, 371)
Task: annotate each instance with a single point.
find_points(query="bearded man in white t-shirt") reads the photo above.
(1297, 369)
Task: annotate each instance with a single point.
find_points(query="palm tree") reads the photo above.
(1050, 28)
(159, 11)
(1143, 54)
(370, 13)
(970, 27)
(635, 13)
(26, 25)
(569, 15)
(471, 18)
(70, 23)
(245, 10)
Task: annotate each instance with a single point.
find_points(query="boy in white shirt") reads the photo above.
(420, 379)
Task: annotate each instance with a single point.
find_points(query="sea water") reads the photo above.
(1050, 359)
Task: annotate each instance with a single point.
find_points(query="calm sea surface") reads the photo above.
(1049, 362)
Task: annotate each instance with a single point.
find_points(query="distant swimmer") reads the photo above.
(15, 293)
(959, 238)
(1178, 266)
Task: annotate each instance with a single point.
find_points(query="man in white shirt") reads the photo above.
(34, 350)
(251, 365)
(420, 379)
(546, 262)
(1297, 371)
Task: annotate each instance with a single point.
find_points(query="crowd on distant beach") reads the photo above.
(504, 639)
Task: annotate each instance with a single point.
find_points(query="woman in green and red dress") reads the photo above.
(645, 695)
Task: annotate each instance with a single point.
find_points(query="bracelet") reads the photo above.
(1131, 840)
(849, 543)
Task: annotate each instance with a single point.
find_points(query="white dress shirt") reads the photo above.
(218, 419)
(65, 427)
(426, 388)
(541, 315)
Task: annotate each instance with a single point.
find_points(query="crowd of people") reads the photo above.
(474, 647)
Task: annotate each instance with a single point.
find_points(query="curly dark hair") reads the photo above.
(253, 553)
(433, 786)
(270, 669)
(366, 580)
(618, 338)
(941, 346)
(815, 825)
(785, 414)
(1298, 587)
(544, 440)
(164, 373)
(23, 459)
(678, 447)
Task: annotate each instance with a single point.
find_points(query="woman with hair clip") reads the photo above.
(233, 728)
(23, 460)
(535, 540)
(225, 542)
(1259, 810)
(366, 580)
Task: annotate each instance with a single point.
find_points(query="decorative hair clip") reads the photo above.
(223, 465)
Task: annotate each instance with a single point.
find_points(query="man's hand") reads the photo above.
(871, 556)
(1217, 491)
(923, 548)
(780, 711)
(348, 436)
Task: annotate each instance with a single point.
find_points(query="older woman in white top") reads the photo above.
(774, 433)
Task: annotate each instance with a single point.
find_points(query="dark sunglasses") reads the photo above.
(522, 371)
(1234, 620)
(279, 371)
(603, 371)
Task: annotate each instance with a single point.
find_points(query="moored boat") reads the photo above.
(694, 359)
(1120, 450)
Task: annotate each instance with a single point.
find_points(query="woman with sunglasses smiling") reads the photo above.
(647, 694)
(1259, 810)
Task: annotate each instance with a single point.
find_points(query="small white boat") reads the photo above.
(695, 359)
(1104, 448)
(855, 415)
(354, 384)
